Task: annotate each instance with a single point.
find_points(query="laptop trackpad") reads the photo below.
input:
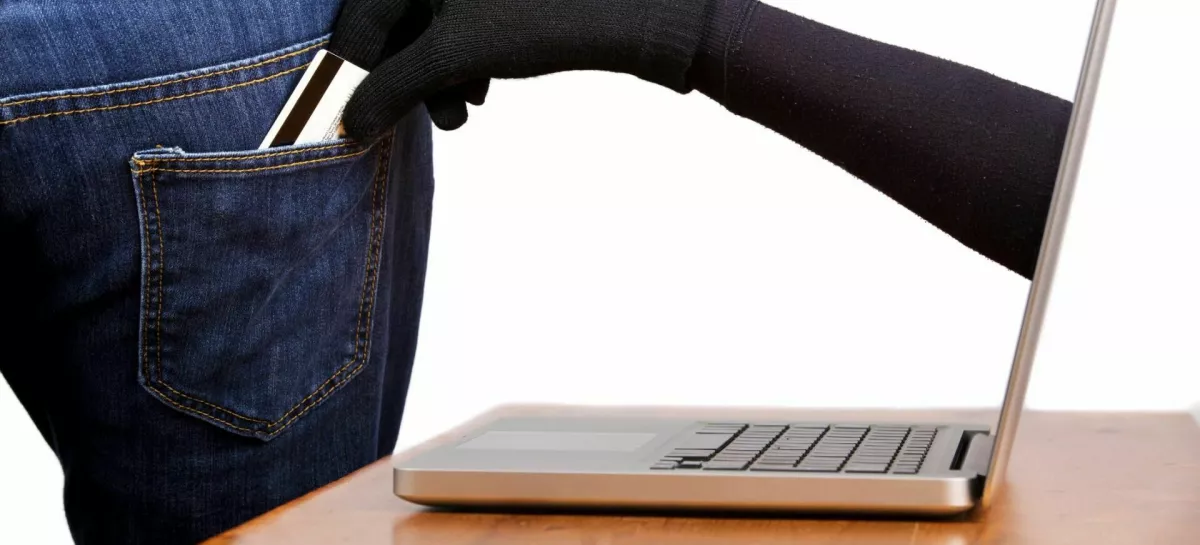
(559, 441)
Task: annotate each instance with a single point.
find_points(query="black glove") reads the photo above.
(370, 30)
(446, 51)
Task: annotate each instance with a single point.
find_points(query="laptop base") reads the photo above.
(623, 463)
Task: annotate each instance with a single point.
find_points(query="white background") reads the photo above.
(600, 240)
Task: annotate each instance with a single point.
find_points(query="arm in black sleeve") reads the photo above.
(975, 155)
(971, 153)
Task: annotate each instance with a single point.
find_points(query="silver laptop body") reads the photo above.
(610, 460)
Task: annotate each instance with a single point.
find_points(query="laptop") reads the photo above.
(607, 459)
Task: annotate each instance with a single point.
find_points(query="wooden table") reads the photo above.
(1075, 478)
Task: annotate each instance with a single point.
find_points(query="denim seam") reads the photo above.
(149, 266)
(155, 101)
(255, 169)
(362, 332)
(168, 82)
(252, 156)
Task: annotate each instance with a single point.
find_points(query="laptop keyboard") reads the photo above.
(802, 448)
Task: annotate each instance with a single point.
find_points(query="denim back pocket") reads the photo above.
(259, 273)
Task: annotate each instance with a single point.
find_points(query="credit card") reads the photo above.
(313, 113)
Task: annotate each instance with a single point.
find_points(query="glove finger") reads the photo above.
(363, 26)
(475, 91)
(447, 110)
(393, 89)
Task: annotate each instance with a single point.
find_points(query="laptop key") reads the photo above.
(743, 463)
(810, 462)
(781, 454)
(737, 454)
(871, 459)
(866, 468)
(825, 460)
(818, 463)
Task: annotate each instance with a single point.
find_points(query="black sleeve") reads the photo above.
(973, 154)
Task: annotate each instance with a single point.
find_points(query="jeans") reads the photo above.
(200, 330)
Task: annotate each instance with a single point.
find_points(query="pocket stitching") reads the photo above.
(362, 341)
(255, 169)
(253, 156)
(157, 100)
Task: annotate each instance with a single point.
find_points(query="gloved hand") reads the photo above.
(445, 51)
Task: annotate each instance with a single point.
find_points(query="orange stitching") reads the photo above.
(374, 247)
(250, 157)
(315, 402)
(161, 382)
(258, 169)
(157, 100)
(372, 242)
(168, 399)
(160, 84)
